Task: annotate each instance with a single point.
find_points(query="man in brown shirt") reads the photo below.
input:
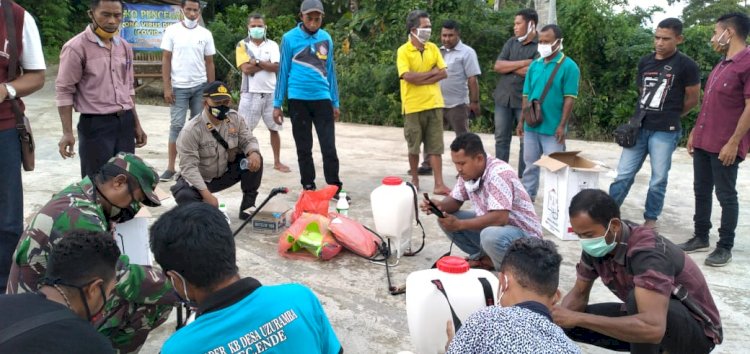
(217, 150)
(96, 78)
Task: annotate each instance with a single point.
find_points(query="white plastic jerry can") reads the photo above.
(427, 309)
(393, 212)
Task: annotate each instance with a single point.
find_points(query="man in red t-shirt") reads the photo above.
(720, 140)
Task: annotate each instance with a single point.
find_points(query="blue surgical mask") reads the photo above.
(256, 32)
(598, 246)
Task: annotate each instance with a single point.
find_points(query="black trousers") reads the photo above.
(249, 183)
(11, 201)
(684, 333)
(709, 172)
(102, 136)
(304, 115)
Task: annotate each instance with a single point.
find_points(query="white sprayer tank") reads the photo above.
(427, 309)
(393, 213)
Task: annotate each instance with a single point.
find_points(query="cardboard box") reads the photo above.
(272, 219)
(564, 175)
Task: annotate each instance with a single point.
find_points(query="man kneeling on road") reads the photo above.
(217, 150)
(503, 211)
(667, 306)
(195, 247)
(143, 299)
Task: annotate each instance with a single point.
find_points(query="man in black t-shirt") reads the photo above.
(79, 279)
(511, 65)
(664, 99)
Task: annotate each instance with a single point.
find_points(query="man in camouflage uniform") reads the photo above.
(142, 299)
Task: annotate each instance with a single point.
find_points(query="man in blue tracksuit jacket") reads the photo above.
(308, 78)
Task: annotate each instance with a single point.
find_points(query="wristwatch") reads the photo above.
(11, 91)
(257, 61)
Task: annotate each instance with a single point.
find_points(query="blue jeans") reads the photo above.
(11, 201)
(191, 97)
(659, 145)
(506, 119)
(536, 146)
(492, 241)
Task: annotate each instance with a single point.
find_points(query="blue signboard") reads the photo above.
(143, 25)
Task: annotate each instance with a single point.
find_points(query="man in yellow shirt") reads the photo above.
(420, 68)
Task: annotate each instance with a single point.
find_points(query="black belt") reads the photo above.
(118, 114)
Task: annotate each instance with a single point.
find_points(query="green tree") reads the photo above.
(55, 22)
(705, 12)
(608, 59)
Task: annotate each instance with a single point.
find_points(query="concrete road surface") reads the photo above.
(353, 291)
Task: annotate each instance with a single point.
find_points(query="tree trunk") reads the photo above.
(547, 10)
(498, 4)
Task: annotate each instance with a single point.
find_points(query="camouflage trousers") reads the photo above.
(127, 325)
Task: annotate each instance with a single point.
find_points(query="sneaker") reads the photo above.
(244, 216)
(167, 176)
(719, 257)
(694, 245)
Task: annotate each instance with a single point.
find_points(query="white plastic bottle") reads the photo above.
(342, 206)
(427, 310)
(223, 209)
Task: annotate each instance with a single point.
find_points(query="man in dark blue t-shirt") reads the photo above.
(195, 248)
(664, 99)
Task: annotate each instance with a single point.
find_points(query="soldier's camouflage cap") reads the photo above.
(141, 172)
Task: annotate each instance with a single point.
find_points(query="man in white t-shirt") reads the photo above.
(29, 56)
(187, 65)
(258, 59)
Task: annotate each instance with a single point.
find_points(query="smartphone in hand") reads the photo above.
(433, 208)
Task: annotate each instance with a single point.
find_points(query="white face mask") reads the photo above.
(473, 185)
(190, 23)
(545, 50)
(423, 34)
(530, 28)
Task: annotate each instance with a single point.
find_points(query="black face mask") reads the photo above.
(89, 317)
(219, 112)
(119, 214)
